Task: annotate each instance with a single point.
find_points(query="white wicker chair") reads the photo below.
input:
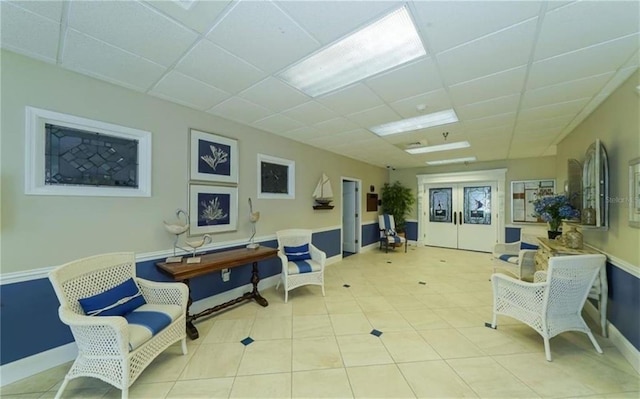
(514, 260)
(291, 276)
(103, 341)
(553, 306)
(388, 235)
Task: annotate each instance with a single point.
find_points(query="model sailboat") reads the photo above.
(323, 193)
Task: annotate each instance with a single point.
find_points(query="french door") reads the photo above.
(461, 215)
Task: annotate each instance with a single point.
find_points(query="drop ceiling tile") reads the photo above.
(502, 132)
(240, 110)
(277, 123)
(582, 24)
(447, 24)
(310, 113)
(345, 16)
(51, 9)
(141, 29)
(497, 52)
(495, 106)
(497, 85)
(433, 135)
(336, 125)
(352, 99)
(553, 110)
(594, 60)
(541, 135)
(406, 81)
(27, 33)
(374, 116)
(434, 101)
(579, 88)
(219, 68)
(262, 93)
(92, 57)
(182, 89)
(541, 124)
(199, 17)
(301, 134)
(263, 35)
(507, 119)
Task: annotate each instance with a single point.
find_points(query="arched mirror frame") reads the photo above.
(595, 185)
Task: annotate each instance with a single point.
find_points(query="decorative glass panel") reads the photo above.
(440, 205)
(477, 205)
(84, 158)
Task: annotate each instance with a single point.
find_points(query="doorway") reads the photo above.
(350, 216)
(462, 210)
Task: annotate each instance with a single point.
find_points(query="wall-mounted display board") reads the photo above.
(523, 193)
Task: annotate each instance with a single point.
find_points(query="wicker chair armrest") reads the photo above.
(285, 262)
(512, 248)
(97, 335)
(317, 255)
(164, 293)
(500, 279)
(540, 276)
(511, 292)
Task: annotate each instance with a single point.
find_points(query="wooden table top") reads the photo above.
(216, 261)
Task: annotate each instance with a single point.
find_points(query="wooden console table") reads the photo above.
(215, 262)
(600, 289)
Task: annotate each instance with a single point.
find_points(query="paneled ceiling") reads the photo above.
(520, 75)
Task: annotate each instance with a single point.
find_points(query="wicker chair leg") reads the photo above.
(594, 342)
(125, 393)
(547, 349)
(405, 245)
(184, 346)
(286, 295)
(61, 389)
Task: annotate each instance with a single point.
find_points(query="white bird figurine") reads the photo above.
(177, 227)
(253, 218)
(206, 239)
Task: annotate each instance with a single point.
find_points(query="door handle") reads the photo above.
(455, 218)
(460, 217)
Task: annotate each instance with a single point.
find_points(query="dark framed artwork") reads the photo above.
(213, 158)
(212, 209)
(276, 178)
(372, 202)
(440, 204)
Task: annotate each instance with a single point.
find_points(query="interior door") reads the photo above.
(461, 215)
(349, 216)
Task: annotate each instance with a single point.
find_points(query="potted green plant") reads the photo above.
(397, 201)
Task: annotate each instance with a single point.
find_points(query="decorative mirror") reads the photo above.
(595, 187)
(573, 186)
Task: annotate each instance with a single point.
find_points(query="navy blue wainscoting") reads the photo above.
(622, 309)
(370, 234)
(30, 323)
(29, 309)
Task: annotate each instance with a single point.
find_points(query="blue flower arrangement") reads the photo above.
(552, 209)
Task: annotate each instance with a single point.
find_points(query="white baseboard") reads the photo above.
(28, 366)
(625, 347)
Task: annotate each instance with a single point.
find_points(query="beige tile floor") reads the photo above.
(434, 343)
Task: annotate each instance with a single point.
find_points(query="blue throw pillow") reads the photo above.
(297, 253)
(116, 301)
(524, 245)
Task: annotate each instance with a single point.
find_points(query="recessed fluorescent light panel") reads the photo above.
(447, 161)
(441, 147)
(416, 123)
(386, 43)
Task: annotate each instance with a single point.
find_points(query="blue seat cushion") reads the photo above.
(303, 266)
(300, 252)
(509, 258)
(116, 301)
(148, 320)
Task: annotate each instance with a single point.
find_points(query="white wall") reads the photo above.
(41, 231)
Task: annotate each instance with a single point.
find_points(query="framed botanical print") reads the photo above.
(276, 178)
(213, 158)
(212, 209)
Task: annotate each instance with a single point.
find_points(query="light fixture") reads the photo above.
(440, 147)
(382, 45)
(448, 161)
(415, 123)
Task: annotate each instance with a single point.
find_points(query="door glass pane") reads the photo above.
(477, 205)
(440, 205)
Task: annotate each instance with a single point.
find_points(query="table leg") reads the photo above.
(192, 331)
(255, 278)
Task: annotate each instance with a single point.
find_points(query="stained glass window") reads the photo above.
(440, 205)
(85, 158)
(477, 205)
